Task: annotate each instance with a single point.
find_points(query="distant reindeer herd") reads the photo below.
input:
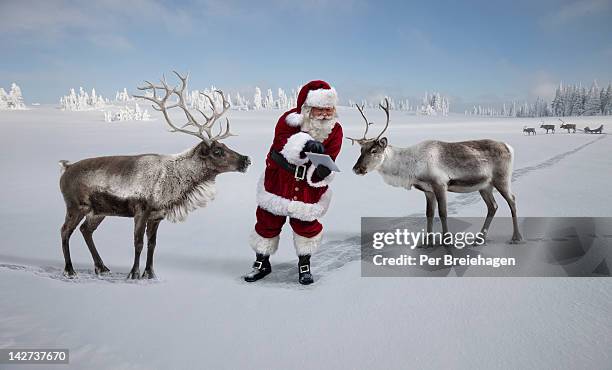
(570, 127)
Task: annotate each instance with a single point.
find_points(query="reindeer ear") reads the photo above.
(382, 142)
(204, 148)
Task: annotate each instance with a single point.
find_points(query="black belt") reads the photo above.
(299, 171)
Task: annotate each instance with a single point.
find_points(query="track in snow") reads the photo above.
(83, 275)
(471, 198)
(332, 255)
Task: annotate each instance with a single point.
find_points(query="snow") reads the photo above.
(201, 315)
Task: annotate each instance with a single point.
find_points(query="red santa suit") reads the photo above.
(279, 193)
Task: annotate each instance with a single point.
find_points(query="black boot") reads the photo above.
(304, 270)
(261, 268)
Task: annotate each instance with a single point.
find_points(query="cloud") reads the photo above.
(544, 86)
(575, 10)
(114, 42)
(101, 22)
(39, 17)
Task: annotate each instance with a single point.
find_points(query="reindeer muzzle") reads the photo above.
(359, 170)
(245, 162)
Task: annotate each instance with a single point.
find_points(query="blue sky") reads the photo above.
(473, 51)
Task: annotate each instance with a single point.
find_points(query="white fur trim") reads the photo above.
(304, 246)
(326, 181)
(265, 246)
(322, 98)
(294, 119)
(280, 206)
(293, 147)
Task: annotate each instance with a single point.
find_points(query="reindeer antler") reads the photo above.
(386, 109)
(364, 139)
(160, 104)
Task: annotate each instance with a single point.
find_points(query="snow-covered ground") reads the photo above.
(200, 314)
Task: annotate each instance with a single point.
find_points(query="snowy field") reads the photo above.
(200, 314)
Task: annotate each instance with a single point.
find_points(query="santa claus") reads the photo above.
(291, 186)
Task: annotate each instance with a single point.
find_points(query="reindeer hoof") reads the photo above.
(102, 270)
(134, 275)
(516, 239)
(70, 273)
(149, 274)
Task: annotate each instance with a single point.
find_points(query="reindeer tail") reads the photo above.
(63, 165)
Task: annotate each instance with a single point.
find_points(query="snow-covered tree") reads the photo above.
(197, 99)
(240, 103)
(574, 100)
(82, 101)
(592, 102)
(3, 99)
(127, 113)
(257, 99)
(283, 100)
(557, 104)
(123, 96)
(434, 104)
(294, 94)
(606, 100)
(13, 99)
(578, 99)
(269, 101)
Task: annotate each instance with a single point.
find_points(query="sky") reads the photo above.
(474, 52)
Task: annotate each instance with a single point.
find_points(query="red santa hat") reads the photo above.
(317, 94)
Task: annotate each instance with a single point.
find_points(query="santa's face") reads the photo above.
(318, 122)
(322, 113)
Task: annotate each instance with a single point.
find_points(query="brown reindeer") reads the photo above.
(529, 130)
(567, 126)
(147, 187)
(436, 167)
(548, 127)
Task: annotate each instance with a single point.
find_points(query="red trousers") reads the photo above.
(269, 225)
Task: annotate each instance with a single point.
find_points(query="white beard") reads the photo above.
(319, 129)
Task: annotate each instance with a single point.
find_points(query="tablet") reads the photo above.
(324, 160)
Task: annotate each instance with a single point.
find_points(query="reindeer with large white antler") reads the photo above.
(436, 167)
(148, 187)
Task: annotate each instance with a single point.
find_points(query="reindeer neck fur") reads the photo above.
(183, 186)
(400, 166)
